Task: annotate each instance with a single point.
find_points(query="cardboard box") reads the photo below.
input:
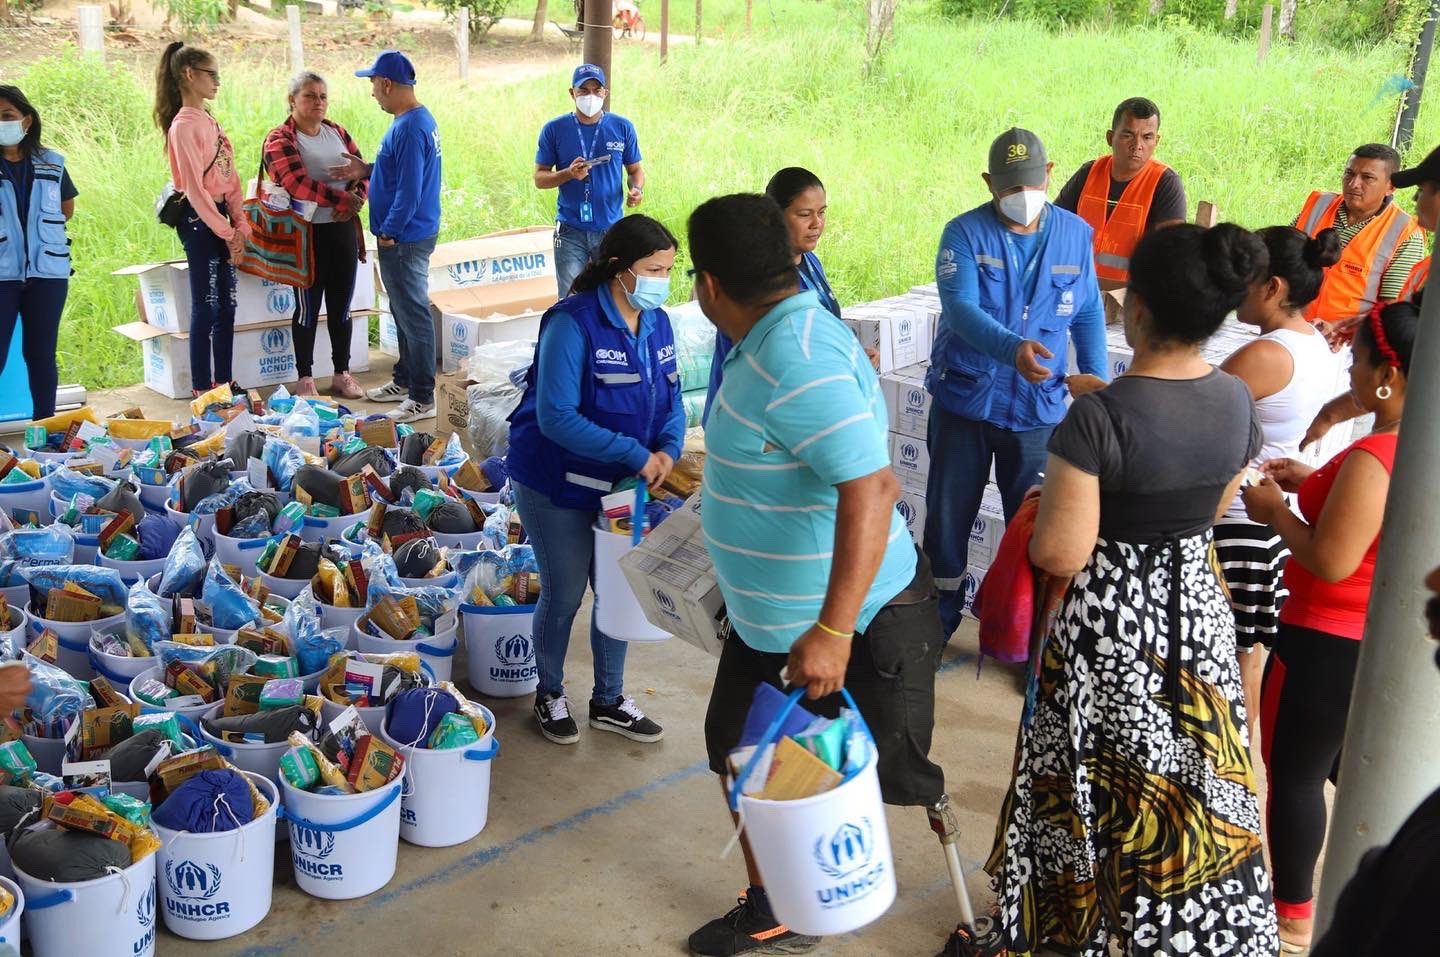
(987, 529)
(493, 259)
(907, 400)
(970, 584)
(389, 337)
(672, 578)
(468, 317)
(899, 333)
(912, 508)
(264, 355)
(910, 458)
(452, 412)
(164, 297)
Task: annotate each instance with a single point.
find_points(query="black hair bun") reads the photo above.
(1234, 257)
(1324, 250)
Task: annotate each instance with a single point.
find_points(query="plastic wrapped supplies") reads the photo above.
(68, 483)
(55, 698)
(147, 620)
(184, 571)
(505, 576)
(103, 583)
(498, 372)
(694, 345)
(302, 420)
(229, 606)
(24, 547)
(283, 460)
(202, 481)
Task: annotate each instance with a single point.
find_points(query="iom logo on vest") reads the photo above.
(847, 858)
(308, 849)
(145, 916)
(191, 887)
(515, 655)
(612, 357)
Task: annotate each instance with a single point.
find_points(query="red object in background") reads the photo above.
(1016, 601)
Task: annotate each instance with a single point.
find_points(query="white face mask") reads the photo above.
(1023, 207)
(589, 104)
(12, 132)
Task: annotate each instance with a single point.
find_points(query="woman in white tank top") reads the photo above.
(1291, 374)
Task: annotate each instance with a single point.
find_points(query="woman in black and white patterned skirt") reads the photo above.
(1132, 812)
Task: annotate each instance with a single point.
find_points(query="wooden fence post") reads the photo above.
(297, 48)
(664, 29)
(1265, 18)
(1206, 214)
(92, 30)
(462, 41)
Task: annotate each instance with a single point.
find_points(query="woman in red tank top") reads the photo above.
(1305, 698)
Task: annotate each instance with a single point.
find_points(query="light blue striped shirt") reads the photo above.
(800, 411)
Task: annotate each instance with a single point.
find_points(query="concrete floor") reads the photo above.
(611, 846)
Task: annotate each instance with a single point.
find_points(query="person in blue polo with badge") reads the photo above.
(581, 154)
(601, 404)
(1017, 284)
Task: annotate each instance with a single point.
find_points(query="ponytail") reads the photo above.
(176, 59)
(625, 243)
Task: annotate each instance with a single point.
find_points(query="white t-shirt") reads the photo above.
(320, 152)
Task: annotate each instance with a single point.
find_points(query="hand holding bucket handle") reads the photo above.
(737, 787)
(637, 514)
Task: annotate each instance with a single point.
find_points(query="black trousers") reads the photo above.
(335, 268)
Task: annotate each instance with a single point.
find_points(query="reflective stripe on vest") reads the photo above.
(1352, 286)
(1117, 231)
(1416, 280)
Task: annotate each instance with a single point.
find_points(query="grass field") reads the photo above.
(901, 153)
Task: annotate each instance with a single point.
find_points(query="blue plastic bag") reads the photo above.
(27, 547)
(229, 606)
(433, 600)
(283, 460)
(184, 571)
(103, 583)
(146, 618)
(301, 420)
(55, 698)
(211, 504)
(313, 645)
(454, 453)
(68, 483)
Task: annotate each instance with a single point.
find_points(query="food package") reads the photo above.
(281, 693)
(373, 765)
(299, 767)
(454, 731)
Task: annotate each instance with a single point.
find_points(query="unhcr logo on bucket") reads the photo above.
(515, 659)
(191, 887)
(847, 857)
(145, 915)
(309, 847)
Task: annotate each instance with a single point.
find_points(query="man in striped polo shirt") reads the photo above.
(817, 570)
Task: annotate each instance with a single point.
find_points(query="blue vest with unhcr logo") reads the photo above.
(39, 250)
(972, 384)
(622, 390)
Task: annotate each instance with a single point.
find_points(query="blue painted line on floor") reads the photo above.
(964, 658)
(489, 855)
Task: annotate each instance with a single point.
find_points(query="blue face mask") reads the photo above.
(650, 291)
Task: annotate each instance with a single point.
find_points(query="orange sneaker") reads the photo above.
(344, 386)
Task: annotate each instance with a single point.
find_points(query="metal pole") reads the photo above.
(1393, 733)
(297, 48)
(462, 40)
(664, 29)
(1410, 102)
(598, 34)
(92, 30)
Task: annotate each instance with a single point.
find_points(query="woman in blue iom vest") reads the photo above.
(36, 200)
(801, 196)
(602, 403)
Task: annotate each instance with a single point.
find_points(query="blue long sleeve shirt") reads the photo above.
(563, 363)
(405, 179)
(961, 312)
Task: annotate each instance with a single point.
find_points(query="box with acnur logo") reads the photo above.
(911, 507)
(907, 400)
(987, 529)
(474, 315)
(674, 581)
(899, 334)
(910, 459)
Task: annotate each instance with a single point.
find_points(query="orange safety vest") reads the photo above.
(1117, 234)
(1352, 286)
(1416, 280)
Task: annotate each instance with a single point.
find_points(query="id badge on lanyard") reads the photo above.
(587, 211)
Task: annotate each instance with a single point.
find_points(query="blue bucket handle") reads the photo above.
(737, 787)
(251, 543)
(470, 609)
(349, 825)
(637, 516)
(189, 725)
(221, 748)
(484, 753)
(435, 651)
(69, 645)
(50, 900)
(107, 674)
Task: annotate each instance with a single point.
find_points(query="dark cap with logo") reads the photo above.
(391, 65)
(1017, 158)
(1427, 172)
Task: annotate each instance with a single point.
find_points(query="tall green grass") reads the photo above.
(900, 153)
(720, 18)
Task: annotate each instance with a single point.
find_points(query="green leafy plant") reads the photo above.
(484, 14)
(193, 15)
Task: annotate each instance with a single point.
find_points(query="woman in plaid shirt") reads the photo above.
(298, 155)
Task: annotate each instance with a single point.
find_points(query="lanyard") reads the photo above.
(588, 151)
(1028, 271)
(818, 285)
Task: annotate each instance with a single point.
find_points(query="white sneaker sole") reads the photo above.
(557, 738)
(599, 725)
(387, 398)
(417, 417)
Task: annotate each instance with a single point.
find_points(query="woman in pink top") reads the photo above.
(213, 229)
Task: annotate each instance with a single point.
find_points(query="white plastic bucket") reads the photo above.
(74, 640)
(244, 552)
(826, 860)
(465, 542)
(154, 497)
(193, 712)
(333, 616)
(617, 613)
(44, 457)
(446, 798)
(372, 716)
(204, 524)
(49, 753)
(284, 587)
(110, 916)
(353, 539)
(16, 596)
(432, 472)
(17, 630)
(484, 498)
(26, 501)
(449, 580)
(500, 650)
(318, 529)
(438, 650)
(132, 572)
(343, 846)
(261, 759)
(219, 885)
(10, 926)
(119, 670)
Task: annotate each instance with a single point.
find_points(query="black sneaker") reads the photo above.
(747, 931)
(625, 718)
(552, 711)
(965, 942)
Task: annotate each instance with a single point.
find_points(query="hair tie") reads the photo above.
(1377, 326)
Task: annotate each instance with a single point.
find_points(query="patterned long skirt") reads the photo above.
(1132, 811)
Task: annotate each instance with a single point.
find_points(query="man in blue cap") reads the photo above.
(405, 218)
(581, 154)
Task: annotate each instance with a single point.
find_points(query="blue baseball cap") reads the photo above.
(586, 71)
(391, 65)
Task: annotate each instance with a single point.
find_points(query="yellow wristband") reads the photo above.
(831, 631)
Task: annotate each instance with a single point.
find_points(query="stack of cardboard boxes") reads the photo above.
(264, 348)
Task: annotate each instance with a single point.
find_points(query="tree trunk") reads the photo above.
(1287, 19)
(1231, 8)
(748, 5)
(1156, 7)
(537, 29)
(5, 10)
(880, 20)
(698, 31)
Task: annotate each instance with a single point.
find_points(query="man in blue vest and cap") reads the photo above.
(1017, 284)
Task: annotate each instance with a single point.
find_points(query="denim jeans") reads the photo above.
(564, 543)
(212, 301)
(405, 271)
(37, 304)
(574, 250)
(961, 451)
